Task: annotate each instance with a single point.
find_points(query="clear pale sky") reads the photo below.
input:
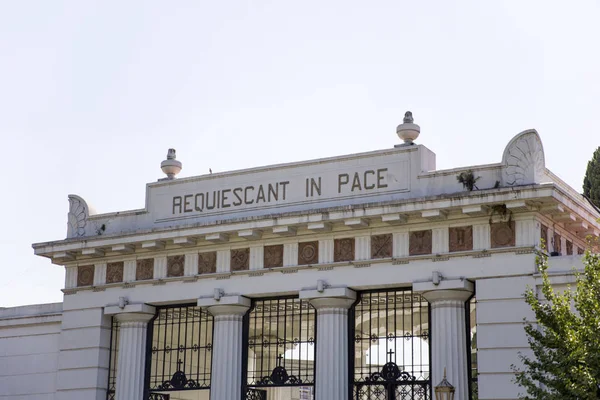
(93, 93)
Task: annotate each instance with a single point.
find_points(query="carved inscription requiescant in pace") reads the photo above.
(327, 183)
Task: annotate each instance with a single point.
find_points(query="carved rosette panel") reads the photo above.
(85, 275)
(569, 248)
(240, 259)
(207, 262)
(524, 160)
(144, 269)
(273, 256)
(382, 246)
(308, 253)
(114, 272)
(503, 234)
(175, 265)
(461, 238)
(343, 249)
(544, 236)
(557, 243)
(420, 243)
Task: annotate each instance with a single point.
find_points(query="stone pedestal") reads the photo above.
(331, 381)
(449, 332)
(228, 312)
(131, 363)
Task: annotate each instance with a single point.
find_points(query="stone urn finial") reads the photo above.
(171, 166)
(408, 130)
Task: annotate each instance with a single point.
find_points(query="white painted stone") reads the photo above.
(363, 248)
(160, 267)
(356, 223)
(401, 245)
(228, 312)
(448, 332)
(129, 267)
(71, 277)
(284, 230)
(319, 226)
(290, 254)
(326, 250)
(132, 352)
(184, 241)
(217, 237)
(481, 237)
(123, 248)
(250, 234)
(440, 240)
(153, 245)
(257, 257)
(223, 260)
(394, 219)
(93, 252)
(332, 345)
(190, 267)
(99, 274)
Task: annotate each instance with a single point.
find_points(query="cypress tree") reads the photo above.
(591, 182)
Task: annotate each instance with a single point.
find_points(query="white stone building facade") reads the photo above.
(354, 277)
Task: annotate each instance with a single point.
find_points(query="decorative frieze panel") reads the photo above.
(461, 238)
(85, 275)
(503, 234)
(207, 262)
(175, 265)
(569, 248)
(273, 256)
(343, 249)
(557, 243)
(114, 272)
(144, 269)
(544, 236)
(580, 251)
(420, 243)
(308, 253)
(240, 259)
(382, 246)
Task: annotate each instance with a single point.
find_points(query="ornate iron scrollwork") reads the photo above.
(279, 376)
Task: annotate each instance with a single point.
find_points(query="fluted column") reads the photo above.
(449, 332)
(331, 381)
(226, 378)
(131, 363)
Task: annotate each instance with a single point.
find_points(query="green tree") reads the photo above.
(566, 338)
(591, 181)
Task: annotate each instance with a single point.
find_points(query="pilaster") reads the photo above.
(325, 251)
(332, 340)
(400, 244)
(448, 331)
(290, 254)
(228, 313)
(131, 362)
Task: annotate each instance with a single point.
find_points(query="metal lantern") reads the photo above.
(444, 391)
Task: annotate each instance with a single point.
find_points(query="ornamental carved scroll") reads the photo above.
(273, 256)
(207, 262)
(175, 265)
(343, 249)
(382, 246)
(240, 259)
(85, 275)
(420, 243)
(144, 269)
(461, 238)
(114, 272)
(308, 253)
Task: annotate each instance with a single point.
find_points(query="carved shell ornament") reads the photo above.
(523, 159)
(77, 216)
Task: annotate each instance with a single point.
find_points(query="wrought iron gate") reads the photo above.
(390, 341)
(279, 336)
(180, 354)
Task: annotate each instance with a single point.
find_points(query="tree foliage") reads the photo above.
(566, 338)
(591, 181)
